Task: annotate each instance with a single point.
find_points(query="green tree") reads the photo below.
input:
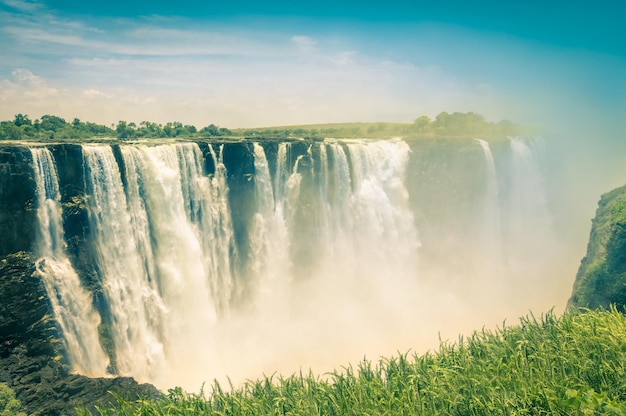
(149, 129)
(52, 123)
(421, 123)
(9, 405)
(124, 130)
(10, 131)
(211, 130)
(21, 120)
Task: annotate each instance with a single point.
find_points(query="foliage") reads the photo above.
(444, 125)
(9, 405)
(572, 365)
(50, 127)
(601, 279)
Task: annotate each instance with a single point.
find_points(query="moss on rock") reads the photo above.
(601, 278)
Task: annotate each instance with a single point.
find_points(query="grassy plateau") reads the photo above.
(574, 364)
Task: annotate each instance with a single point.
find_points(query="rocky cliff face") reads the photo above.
(17, 194)
(32, 356)
(31, 350)
(601, 278)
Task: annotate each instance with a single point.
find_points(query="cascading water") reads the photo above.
(126, 268)
(71, 303)
(381, 205)
(163, 243)
(327, 269)
(268, 239)
(490, 225)
(528, 220)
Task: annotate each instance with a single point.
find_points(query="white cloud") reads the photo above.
(26, 83)
(92, 93)
(344, 58)
(40, 35)
(304, 43)
(23, 6)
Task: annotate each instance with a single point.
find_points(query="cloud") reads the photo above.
(304, 43)
(344, 58)
(27, 84)
(23, 6)
(26, 34)
(92, 93)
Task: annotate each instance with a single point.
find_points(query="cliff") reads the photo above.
(179, 229)
(33, 356)
(601, 278)
(31, 350)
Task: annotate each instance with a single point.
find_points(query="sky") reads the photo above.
(250, 64)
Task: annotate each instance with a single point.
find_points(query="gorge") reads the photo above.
(177, 262)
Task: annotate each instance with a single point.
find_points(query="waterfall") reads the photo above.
(327, 257)
(339, 227)
(335, 189)
(384, 225)
(124, 263)
(529, 226)
(268, 238)
(490, 226)
(164, 243)
(71, 303)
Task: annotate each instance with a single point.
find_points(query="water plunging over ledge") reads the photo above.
(238, 259)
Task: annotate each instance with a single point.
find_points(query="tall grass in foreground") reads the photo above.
(569, 365)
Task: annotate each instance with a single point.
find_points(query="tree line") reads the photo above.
(443, 125)
(52, 127)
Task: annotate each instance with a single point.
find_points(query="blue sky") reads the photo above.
(251, 63)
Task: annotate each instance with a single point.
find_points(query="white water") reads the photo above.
(529, 228)
(71, 303)
(359, 271)
(491, 226)
(331, 272)
(163, 246)
(269, 244)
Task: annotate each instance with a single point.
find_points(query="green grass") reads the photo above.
(569, 365)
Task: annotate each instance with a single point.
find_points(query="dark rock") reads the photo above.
(17, 196)
(239, 162)
(26, 322)
(31, 350)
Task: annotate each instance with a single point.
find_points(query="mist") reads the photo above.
(327, 253)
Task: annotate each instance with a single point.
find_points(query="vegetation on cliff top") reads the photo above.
(571, 365)
(50, 127)
(444, 125)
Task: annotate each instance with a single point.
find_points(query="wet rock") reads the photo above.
(31, 350)
(17, 193)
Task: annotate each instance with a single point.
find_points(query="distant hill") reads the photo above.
(444, 125)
